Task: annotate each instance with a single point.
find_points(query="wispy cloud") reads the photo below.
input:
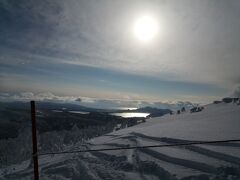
(198, 43)
(82, 32)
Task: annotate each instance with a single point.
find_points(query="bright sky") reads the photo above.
(141, 50)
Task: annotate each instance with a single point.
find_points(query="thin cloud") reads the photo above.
(98, 36)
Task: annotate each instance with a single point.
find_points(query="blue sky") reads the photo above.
(86, 48)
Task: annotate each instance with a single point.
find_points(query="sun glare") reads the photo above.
(145, 28)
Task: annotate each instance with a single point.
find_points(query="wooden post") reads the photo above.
(34, 141)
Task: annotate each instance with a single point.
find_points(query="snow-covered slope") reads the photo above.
(215, 122)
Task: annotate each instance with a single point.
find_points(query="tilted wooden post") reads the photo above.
(34, 140)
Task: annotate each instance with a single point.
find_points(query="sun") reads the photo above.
(145, 28)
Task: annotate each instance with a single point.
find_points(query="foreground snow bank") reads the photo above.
(219, 161)
(215, 122)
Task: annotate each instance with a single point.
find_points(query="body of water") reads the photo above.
(130, 114)
(122, 114)
(57, 111)
(79, 112)
(127, 108)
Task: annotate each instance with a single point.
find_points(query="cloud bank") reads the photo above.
(91, 102)
(236, 91)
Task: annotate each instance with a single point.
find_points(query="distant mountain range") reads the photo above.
(45, 105)
(154, 112)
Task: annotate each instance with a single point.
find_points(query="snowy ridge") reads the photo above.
(218, 161)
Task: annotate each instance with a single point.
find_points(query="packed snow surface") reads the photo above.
(215, 122)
